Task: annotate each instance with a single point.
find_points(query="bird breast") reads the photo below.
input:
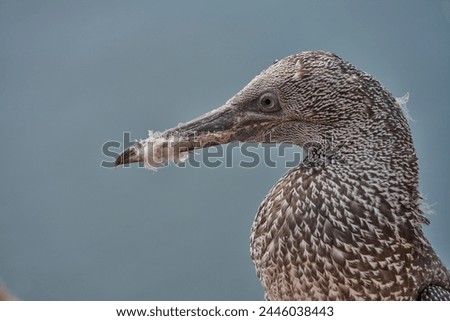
(319, 236)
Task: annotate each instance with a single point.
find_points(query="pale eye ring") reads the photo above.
(268, 102)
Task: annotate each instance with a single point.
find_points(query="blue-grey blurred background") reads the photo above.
(76, 74)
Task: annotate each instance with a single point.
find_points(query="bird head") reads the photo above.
(311, 97)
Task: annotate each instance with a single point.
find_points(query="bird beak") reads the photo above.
(220, 126)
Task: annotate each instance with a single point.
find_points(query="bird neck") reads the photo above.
(379, 154)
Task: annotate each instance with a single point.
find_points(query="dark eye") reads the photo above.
(268, 102)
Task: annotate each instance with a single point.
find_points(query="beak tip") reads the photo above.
(129, 155)
(119, 161)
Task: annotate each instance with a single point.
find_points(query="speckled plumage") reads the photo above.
(346, 223)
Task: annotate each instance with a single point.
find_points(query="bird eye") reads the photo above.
(268, 102)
